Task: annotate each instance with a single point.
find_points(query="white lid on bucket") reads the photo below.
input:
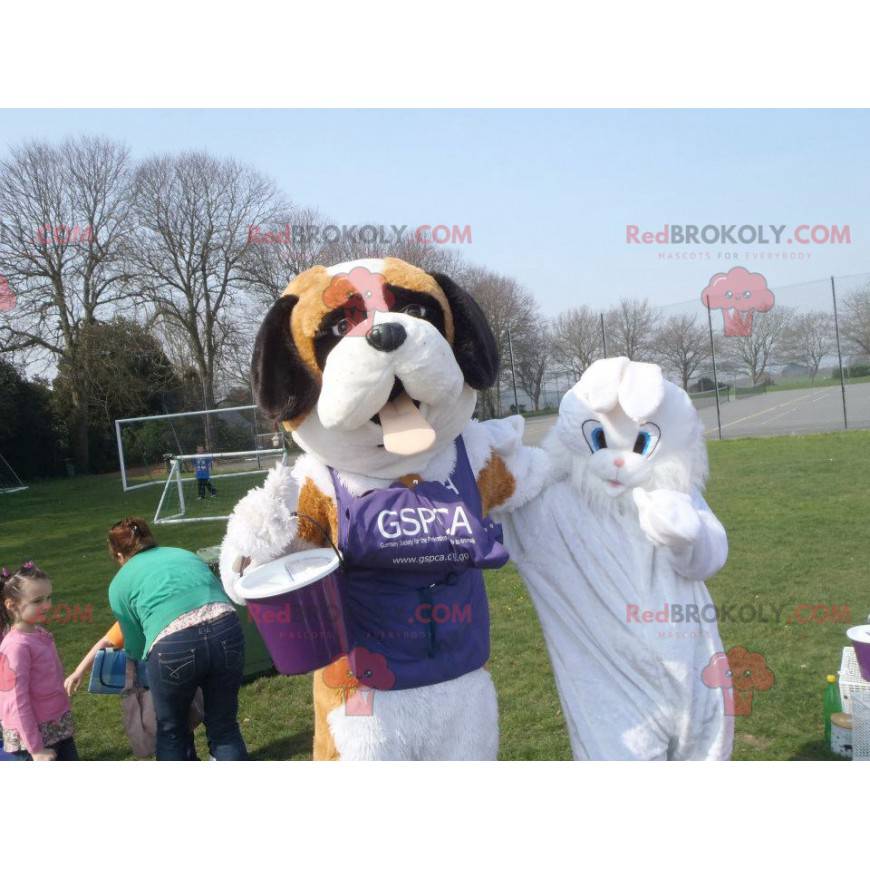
(861, 633)
(288, 574)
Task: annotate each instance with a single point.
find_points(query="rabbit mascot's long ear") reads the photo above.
(638, 388)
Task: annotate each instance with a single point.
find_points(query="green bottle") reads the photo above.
(831, 705)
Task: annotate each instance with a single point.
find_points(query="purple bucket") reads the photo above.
(860, 637)
(296, 605)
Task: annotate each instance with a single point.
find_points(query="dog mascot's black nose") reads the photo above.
(386, 336)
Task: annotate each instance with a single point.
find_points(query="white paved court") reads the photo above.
(786, 412)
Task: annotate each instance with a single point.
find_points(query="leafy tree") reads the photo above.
(32, 436)
(125, 373)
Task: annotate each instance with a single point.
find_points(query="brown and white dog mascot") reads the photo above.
(373, 366)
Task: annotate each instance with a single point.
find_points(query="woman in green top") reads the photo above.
(174, 614)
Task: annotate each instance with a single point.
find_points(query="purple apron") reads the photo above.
(414, 600)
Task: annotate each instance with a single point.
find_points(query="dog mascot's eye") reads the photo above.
(647, 439)
(417, 311)
(343, 327)
(593, 432)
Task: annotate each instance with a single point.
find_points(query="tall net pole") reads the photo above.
(839, 353)
(513, 373)
(715, 373)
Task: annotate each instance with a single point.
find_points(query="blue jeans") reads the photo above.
(203, 483)
(210, 655)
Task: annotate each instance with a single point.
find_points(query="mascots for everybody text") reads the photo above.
(373, 367)
(615, 553)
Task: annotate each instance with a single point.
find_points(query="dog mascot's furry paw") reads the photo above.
(373, 367)
(615, 553)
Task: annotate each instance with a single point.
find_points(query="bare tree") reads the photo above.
(855, 322)
(195, 214)
(278, 253)
(426, 255)
(533, 353)
(507, 306)
(631, 328)
(576, 337)
(681, 346)
(234, 364)
(808, 339)
(754, 353)
(64, 250)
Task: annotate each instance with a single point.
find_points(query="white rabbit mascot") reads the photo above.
(615, 552)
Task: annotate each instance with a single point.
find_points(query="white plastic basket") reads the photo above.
(860, 728)
(851, 681)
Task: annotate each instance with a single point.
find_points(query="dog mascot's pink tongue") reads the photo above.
(373, 368)
(406, 431)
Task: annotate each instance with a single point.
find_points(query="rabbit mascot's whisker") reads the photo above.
(615, 552)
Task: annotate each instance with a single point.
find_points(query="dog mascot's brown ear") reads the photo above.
(283, 386)
(473, 341)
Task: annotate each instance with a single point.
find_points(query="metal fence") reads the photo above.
(804, 367)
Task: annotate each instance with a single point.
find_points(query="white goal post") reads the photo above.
(223, 479)
(147, 445)
(9, 481)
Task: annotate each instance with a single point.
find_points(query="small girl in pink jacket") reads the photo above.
(35, 714)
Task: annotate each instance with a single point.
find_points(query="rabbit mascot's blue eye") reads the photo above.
(647, 439)
(593, 432)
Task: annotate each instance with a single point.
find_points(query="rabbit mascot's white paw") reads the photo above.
(615, 553)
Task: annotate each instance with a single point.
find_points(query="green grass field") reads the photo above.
(796, 513)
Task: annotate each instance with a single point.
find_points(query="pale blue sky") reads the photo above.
(547, 193)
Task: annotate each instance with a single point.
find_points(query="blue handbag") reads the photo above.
(7, 756)
(109, 673)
